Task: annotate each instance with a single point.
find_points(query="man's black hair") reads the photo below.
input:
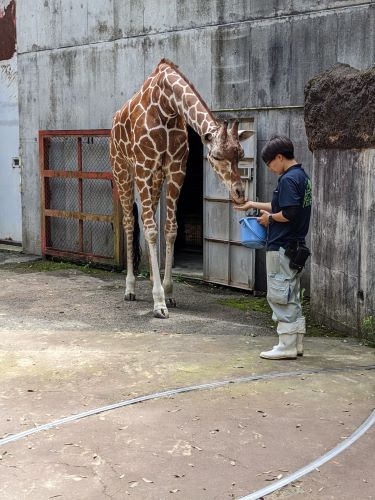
(278, 144)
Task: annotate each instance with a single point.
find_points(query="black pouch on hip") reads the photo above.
(298, 255)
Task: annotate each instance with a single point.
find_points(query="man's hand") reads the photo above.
(263, 219)
(244, 207)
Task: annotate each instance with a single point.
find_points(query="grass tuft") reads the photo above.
(260, 304)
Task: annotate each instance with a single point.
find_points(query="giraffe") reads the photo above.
(149, 145)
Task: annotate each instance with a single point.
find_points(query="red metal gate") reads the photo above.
(81, 212)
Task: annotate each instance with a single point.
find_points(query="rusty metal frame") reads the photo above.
(115, 218)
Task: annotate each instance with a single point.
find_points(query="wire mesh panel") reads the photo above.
(81, 214)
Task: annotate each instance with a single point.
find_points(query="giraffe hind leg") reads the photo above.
(123, 174)
(125, 185)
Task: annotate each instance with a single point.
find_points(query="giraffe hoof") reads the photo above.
(129, 296)
(172, 302)
(161, 312)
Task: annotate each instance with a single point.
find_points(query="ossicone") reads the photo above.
(235, 129)
(223, 130)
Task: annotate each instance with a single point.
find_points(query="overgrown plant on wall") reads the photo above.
(368, 330)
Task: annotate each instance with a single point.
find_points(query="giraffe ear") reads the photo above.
(244, 134)
(206, 138)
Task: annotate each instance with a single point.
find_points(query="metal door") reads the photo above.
(10, 179)
(225, 260)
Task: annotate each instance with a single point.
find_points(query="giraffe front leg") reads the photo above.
(160, 308)
(175, 180)
(144, 179)
(157, 183)
(170, 239)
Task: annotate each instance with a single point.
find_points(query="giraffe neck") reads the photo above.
(185, 100)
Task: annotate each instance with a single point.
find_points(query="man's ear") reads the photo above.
(245, 134)
(206, 138)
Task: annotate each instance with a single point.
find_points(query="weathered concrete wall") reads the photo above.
(343, 243)
(340, 124)
(50, 24)
(79, 63)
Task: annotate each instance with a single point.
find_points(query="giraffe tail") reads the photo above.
(137, 252)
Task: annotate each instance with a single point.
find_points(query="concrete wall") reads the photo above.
(80, 62)
(343, 264)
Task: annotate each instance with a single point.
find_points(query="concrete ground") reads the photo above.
(69, 343)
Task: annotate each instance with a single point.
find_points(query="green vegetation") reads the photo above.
(368, 330)
(144, 273)
(249, 303)
(260, 305)
(44, 265)
(178, 278)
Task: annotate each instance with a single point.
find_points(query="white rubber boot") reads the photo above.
(286, 349)
(301, 332)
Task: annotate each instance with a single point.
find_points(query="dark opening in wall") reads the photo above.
(189, 242)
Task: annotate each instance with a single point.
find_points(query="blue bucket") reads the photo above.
(253, 234)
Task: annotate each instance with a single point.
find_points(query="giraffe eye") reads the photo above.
(215, 157)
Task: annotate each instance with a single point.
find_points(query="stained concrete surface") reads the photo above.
(69, 343)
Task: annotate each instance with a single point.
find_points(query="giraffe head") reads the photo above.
(224, 153)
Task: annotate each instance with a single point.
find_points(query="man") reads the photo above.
(287, 219)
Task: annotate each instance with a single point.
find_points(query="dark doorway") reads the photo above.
(188, 256)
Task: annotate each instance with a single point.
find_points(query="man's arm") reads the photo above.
(257, 205)
(287, 214)
(264, 218)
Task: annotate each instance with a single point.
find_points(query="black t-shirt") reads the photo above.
(293, 190)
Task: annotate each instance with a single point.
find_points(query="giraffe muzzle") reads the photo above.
(238, 195)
